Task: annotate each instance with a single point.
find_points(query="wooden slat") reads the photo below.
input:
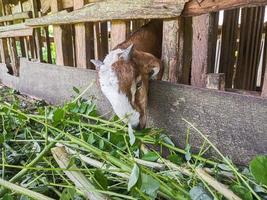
(104, 40)
(203, 54)
(37, 31)
(196, 7)
(118, 32)
(17, 33)
(114, 10)
(249, 48)
(229, 45)
(4, 53)
(62, 39)
(170, 45)
(16, 16)
(84, 36)
(13, 27)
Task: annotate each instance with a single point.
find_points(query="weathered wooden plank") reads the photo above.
(62, 39)
(12, 49)
(170, 49)
(204, 43)
(104, 40)
(229, 45)
(249, 48)
(13, 27)
(4, 54)
(216, 81)
(17, 33)
(37, 31)
(185, 55)
(48, 43)
(114, 10)
(196, 7)
(84, 37)
(118, 32)
(16, 16)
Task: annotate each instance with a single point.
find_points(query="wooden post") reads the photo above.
(62, 39)
(204, 43)
(215, 81)
(11, 44)
(118, 32)
(37, 31)
(170, 45)
(177, 50)
(229, 45)
(48, 47)
(104, 40)
(83, 40)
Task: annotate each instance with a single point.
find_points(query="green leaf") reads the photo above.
(67, 194)
(242, 192)
(258, 168)
(2, 138)
(100, 179)
(188, 155)
(175, 159)
(149, 186)
(133, 177)
(7, 197)
(151, 156)
(76, 90)
(199, 193)
(224, 167)
(166, 139)
(91, 139)
(131, 135)
(58, 115)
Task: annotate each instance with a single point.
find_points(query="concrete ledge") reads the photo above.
(235, 123)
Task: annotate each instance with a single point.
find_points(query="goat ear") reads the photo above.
(97, 63)
(127, 53)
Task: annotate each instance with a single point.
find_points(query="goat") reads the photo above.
(125, 72)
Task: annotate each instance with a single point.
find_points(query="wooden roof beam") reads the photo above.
(16, 16)
(196, 7)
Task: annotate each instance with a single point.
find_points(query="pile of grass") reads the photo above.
(69, 152)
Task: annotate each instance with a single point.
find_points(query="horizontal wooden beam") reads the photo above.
(16, 16)
(13, 27)
(17, 33)
(193, 7)
(114, 10)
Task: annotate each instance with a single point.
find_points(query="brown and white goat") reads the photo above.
(125, 72)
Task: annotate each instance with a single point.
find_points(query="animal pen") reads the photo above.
(215, 75)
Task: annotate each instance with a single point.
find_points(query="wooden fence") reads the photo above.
(71, 32)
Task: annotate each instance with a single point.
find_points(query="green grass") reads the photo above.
(69, 152)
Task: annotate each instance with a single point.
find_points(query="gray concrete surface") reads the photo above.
(236, 124)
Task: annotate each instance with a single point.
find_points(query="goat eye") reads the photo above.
(139, 85)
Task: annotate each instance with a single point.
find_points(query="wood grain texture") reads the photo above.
(17, 33)
(84, 37)
(114, 10)
(118, 32)
(229, 45)
(203, 45)
(193, 7)
(16, 16)
(170, 45)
